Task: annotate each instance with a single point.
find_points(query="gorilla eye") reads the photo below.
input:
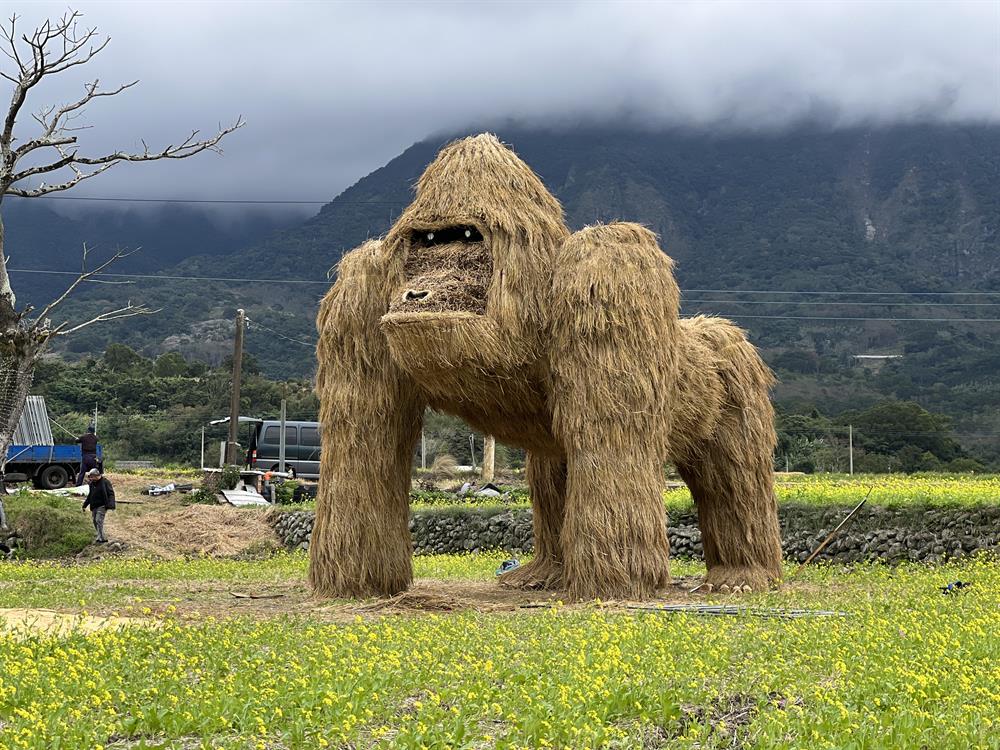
(446, 235)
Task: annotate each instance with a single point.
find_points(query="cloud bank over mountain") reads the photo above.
(333, 90)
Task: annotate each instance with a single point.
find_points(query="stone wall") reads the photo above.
(891, 535)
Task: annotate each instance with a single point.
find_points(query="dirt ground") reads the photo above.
(61, 623)
(221, 600)
(165, 527)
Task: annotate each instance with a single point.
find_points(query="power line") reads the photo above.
(838, 304)
(843, 431)
(894, 320)
(837, 293)
(259, 326)
(157, 277)
(166, 277)
(233, 201)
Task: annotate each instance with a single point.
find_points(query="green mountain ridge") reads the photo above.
(901, 209)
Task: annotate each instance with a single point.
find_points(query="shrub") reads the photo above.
(444, 465)
(49, 526)
(208, 493)
(284, 492)
(204, 495)
(230, 477)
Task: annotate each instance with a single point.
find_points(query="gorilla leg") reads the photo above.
(547, 482)
(613, 348)
(730, 472)
(371, 415)
(732, 484)
(615, 535)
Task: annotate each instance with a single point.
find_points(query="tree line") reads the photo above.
(155, 409)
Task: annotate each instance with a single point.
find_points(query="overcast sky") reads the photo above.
(331, 91)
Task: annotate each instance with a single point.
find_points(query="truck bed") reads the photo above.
(46, 466)
(44, 454)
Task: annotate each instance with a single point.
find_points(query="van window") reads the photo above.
(272, 436)
(310, 436)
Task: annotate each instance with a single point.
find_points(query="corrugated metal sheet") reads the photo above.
(34, 427)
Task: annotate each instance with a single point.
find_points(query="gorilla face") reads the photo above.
(448, 269)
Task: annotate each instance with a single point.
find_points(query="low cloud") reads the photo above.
(333, 90)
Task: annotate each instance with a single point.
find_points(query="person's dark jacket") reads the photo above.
(88, 444)
(101, 495)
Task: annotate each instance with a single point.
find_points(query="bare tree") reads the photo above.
(52, 152)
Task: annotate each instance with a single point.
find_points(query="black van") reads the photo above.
(302, 445)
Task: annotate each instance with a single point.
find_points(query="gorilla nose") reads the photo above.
(416, 295)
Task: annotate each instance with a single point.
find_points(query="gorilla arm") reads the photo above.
(371, 415)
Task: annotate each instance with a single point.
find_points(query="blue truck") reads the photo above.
(48, 467)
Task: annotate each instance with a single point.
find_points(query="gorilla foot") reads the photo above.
(541, 573)
(736, 580)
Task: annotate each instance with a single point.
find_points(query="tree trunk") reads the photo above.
(8, 316)
(16, 374)
(19, 351)
(20, 347)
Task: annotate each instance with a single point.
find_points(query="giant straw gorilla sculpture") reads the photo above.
(481, 303)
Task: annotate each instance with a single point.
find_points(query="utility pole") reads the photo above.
(489, 455)
(472, 450)
(423, 449)
(233, 452)
(850, 447)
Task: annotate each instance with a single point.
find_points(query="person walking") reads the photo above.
(88, 447)
(101, 499)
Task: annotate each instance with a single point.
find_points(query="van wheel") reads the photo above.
(53, 478)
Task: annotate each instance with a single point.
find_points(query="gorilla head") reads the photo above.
(473, 257)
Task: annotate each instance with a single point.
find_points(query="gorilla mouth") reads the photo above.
(447, 269)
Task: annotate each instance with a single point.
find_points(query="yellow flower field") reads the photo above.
(907, 666)
(890, 490)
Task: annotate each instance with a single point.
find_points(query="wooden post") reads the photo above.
(281, 440)
(233, 451)
(489, 458)
(850, 447)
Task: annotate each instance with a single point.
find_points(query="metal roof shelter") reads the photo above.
(34, 427)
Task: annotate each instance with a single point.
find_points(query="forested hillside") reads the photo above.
(49, 235)
(907, 209)
(156, 409)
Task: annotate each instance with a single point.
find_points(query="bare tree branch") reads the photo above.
(85, 275)
(129, 311)
(46, 189)
(54, 47)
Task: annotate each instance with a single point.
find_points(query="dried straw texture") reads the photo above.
(371, 413)
(579, 357)
(547, 483)
(480, 182)
(613, 340)
(730, 473)
(457, 273)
